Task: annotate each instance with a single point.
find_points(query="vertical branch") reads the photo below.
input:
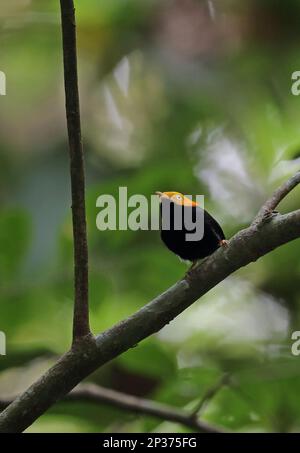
(81, 310)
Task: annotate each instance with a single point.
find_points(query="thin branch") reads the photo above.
(279, 194)
(100, 395)
(209, 395)
(97, 394)
(81, 310)
(245, 247)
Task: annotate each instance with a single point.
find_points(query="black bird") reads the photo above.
(174, 205)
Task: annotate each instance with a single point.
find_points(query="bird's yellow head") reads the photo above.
(177, 198)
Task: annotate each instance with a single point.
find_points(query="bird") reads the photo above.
(174, 204)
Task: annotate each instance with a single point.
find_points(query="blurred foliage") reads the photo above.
(184, 95)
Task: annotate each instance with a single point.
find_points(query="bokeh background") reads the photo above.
(185, 95)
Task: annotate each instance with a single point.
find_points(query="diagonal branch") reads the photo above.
(81, 310)
(245, 247)
(279, 194)
(209, 394)
(99, 395)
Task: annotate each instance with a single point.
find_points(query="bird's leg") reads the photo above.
(223, 243)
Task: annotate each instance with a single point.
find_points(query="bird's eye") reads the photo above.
(178, 197)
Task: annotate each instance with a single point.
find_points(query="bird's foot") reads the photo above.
(224, 243)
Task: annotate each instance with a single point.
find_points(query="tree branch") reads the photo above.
(279, 194)
(81, 310)
(208, 396)
(245, 247)
(99, 395)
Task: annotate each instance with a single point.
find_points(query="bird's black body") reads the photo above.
(176, 240)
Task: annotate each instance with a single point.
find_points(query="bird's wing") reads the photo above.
(213, 224)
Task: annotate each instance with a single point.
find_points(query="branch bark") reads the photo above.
(99, 395)
(279, 194)
(81, 311)
(245, 247)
